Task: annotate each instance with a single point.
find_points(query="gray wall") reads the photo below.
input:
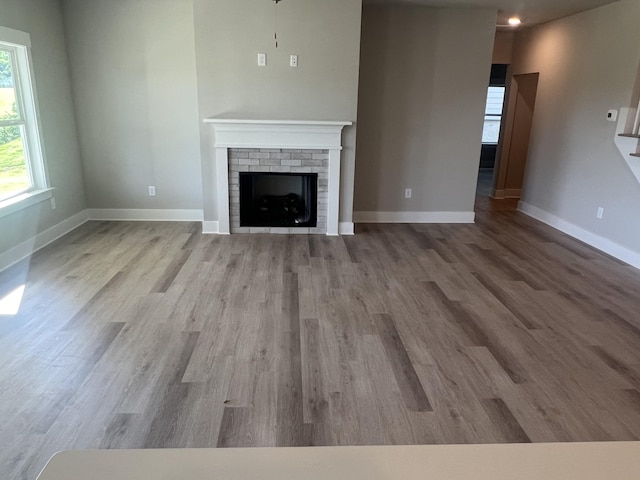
(326, 37)
(134, 83)
(43, 20)
(588, 64)
(141, 100)
(423, 87)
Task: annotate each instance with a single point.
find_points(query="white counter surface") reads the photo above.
(568, 461)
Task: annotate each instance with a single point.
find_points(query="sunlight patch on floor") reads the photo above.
(10, 303)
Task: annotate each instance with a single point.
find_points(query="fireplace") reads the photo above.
(287, 200)
(309, 147)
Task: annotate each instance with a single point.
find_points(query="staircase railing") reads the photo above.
(628, 138)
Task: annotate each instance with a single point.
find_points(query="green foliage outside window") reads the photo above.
(13, 168)
(8, 134)
(6, 76)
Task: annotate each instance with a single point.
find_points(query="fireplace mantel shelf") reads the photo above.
(260, 133)
(255, 121)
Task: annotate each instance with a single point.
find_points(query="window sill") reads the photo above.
(20, 202)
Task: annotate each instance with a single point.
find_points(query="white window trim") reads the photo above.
(24, 200)
(492, 116)
(25, 83)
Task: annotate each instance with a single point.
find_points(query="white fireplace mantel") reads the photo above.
(283, 134)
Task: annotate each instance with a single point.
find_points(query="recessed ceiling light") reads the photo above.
(515, 21)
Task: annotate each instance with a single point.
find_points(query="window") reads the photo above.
(22, 169)
(493, 115)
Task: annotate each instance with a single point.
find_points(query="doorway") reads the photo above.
(513, 147)
(492, 127)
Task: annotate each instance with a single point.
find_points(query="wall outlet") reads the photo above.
(53, 203)
(262, 59)
(612, 115)
(407, 193)
(152, 191)
(293, 60)
(600, 213)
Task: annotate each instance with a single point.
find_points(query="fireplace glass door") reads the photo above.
(278, 199)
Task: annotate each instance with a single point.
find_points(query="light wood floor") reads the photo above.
(153, 335)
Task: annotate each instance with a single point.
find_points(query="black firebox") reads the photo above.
(278, 199)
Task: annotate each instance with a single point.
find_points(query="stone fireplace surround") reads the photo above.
(278, 139)
(275, 160)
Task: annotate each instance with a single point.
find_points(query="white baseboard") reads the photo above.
(143, 215)
(596, 241)
(414, 217)
(209, 227)
(346, 228)
(509, 193)
(33, 244)
(513, 193)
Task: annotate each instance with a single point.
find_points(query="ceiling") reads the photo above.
(532, 12)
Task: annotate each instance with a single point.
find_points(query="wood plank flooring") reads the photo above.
(144, 335)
